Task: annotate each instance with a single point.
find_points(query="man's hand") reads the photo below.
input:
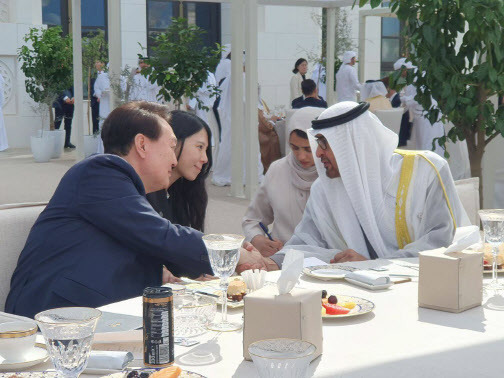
(250, 258)
(347, 255)
(168, 277)
(265, 246)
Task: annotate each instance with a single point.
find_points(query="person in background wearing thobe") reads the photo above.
(204, 95)
(347, 83)
(281, 198)
(395, 101)
(374, 92)
(3, 133)
(143, 89)
(299, 71)
(102, 94)
(222, 71)
(319, 77)
(222, 168)
(351, 212)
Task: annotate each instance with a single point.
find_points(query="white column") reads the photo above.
(251, 117)
(330, 50)
(78, 118)
(237, 116)
(362, 46)
(114, 43)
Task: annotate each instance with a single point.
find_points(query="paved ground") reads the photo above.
(24, 180)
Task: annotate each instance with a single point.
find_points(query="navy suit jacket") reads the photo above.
(99, 241)
(302, 102)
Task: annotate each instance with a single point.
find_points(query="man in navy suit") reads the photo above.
(310, 96)
(99, 240)
(64, 109)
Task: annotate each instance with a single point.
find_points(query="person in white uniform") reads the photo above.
(319, 77)
(222, 168)
(347, 83)
(204, 95)
(369, 201)
(143, 89)
(3, 133)
(282, 196)
(223, 69)
(102, 93)
(425, 132)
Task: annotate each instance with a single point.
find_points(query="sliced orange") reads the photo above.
(169, 372)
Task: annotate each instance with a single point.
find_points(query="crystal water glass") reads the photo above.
(493, 227)
(282, 358)
(224, 253)
(68, 333)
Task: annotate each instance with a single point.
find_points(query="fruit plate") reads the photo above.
(362, 306)
(328, 272)
(129, 373)
(489, 271)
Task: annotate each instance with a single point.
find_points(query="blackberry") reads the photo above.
(324, 293)
(332, 299)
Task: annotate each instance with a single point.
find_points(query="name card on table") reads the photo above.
(295, 315)
(451, 281)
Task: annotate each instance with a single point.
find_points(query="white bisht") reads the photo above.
(347, 82)
(3, 133)
(364, 198)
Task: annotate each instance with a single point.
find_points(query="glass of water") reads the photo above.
(493, 227)
(224, 253)
(68, 333)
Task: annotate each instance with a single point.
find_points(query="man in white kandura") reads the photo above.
(371, 201)
(3, 133)
(347, 83)
(319, 77)
(143, 89)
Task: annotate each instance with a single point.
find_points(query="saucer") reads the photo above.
(36, 356)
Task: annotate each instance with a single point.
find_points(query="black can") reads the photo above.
(158, 327)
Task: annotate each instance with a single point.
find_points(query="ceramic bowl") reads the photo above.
(17, 339)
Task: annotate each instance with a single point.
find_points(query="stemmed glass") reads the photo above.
(493, 226)
(224, 253)
(68, 333)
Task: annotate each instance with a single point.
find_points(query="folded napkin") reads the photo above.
(108, 360)
(370, 278)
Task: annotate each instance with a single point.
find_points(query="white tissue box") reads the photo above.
(450, 282)
(296, 315)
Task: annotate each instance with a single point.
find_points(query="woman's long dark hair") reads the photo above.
(190, 198)
(298, 62)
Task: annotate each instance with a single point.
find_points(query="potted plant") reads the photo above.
(180, 62)
(47, 65)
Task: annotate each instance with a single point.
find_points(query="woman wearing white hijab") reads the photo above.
(347, 82)
(282, 197)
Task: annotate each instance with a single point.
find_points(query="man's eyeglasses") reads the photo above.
(322, 142)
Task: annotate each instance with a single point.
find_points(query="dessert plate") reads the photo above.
(36, 356)
(328, 272)
(212, 288)
(362, 306)
(124, 374)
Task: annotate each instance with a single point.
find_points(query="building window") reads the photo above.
(391, 44)
(93, 15)
(205, 15)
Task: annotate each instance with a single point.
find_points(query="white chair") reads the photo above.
(468, 192)
(391, 118)
(16, 221)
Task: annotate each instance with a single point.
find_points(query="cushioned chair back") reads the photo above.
(16, 222)
(468, 192)
(391, 118)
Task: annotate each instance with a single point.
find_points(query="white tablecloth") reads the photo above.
(398, 339)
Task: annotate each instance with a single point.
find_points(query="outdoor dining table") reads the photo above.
(396, 339)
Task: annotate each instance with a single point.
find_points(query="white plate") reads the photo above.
(328, 272)
(36, 356)
(368, 286)
(362, 306)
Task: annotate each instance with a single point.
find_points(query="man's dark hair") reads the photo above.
(125, 122)
(300, 133)
(308, 86)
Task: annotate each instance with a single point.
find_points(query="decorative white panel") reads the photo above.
(8, 81)
(4, 10)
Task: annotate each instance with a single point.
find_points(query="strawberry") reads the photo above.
(334, 309)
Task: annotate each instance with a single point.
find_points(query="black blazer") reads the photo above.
(99, 241)
(302, 102)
